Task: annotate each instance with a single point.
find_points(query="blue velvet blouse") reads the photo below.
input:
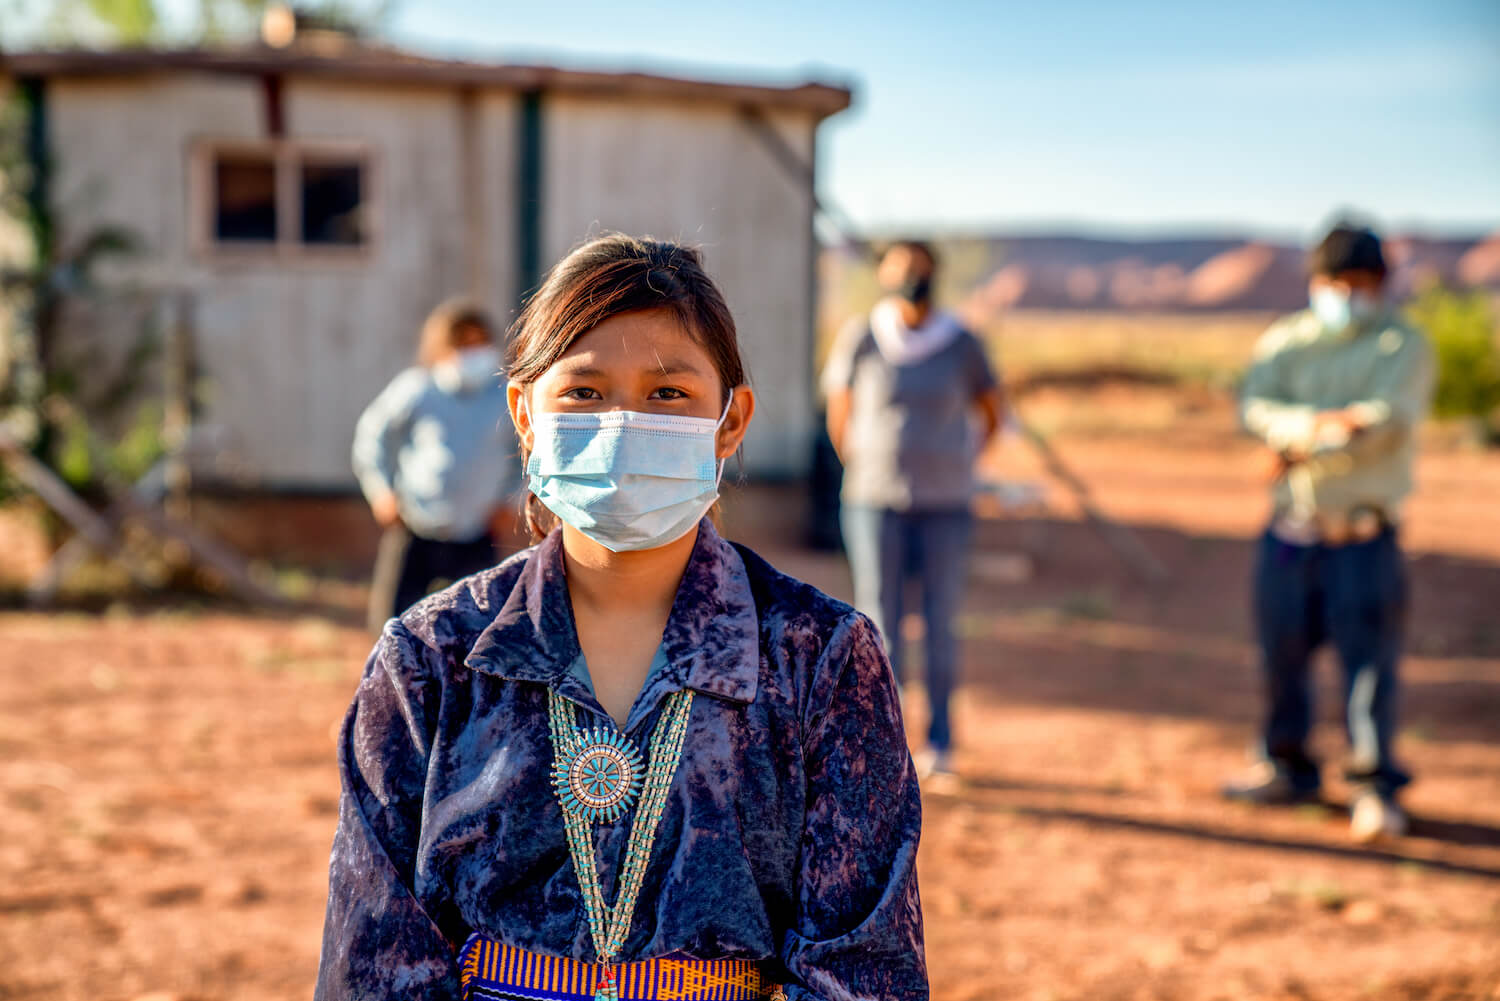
(789, 837)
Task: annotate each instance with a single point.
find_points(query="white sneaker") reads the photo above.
(935, 770)
(1374, 818)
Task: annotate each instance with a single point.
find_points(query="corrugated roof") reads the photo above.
(361, 62)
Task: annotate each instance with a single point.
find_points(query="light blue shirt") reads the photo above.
(580, 670)
(448, 453)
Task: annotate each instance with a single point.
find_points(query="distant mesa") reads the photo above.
(1230, 275)
(1198, 274)
(1255, 276)
(1083, 286)
(1480, 264)
(1006, 287)
(1421, 261)
(1136, 285)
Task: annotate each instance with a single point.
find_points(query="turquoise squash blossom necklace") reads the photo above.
(596, 775)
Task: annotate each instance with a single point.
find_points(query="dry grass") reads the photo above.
(1207, 349)
(1202, 349)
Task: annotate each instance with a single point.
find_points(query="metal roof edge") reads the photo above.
(365, 64)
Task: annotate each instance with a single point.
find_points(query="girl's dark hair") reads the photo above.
(608, 276)
(443, 324)
(1347, 247)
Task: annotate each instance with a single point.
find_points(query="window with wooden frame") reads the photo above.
(282, 198)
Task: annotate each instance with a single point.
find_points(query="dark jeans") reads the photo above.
(409, 567)
(1355, 598)
(886, 546)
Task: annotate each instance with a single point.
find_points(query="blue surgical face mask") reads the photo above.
(1337, 310)
(627, 480)
(469, 369)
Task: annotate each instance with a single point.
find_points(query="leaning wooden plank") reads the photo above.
(89, 524)
(36, 477)
(148, 490)
(143, 500)
(140, 501)
(45, 585)
(71, 555)
(1126, 544)
(207, 552)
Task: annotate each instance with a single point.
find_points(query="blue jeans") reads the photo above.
(885, 547)
(1354, 597)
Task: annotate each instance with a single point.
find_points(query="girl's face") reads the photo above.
(642, 361)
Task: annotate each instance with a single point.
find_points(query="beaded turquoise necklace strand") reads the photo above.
(597, 776)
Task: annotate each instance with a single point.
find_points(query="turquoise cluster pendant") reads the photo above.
(598, 777)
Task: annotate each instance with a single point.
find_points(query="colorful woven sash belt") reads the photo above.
(491, 971)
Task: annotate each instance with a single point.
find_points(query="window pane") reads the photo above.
(244, 198)
(333, 203)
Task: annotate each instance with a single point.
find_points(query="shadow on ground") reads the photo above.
(1083, 631)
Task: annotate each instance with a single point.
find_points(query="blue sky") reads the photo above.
(1136, 116)
(1170, 116)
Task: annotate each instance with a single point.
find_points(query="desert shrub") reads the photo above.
(1462, 327)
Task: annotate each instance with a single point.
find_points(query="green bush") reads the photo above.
(1462, 328)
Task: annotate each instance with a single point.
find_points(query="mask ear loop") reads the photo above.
(719, 424)
(526, 409)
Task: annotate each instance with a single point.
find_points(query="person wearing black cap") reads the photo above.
(1336, 392)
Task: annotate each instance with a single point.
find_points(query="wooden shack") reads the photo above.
(312, 203)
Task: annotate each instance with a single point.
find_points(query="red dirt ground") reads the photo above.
(167, 783)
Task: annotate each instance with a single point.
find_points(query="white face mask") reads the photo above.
(625, 479)
(469, 370)
(1337, 310)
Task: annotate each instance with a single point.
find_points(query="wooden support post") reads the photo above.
(177, 410)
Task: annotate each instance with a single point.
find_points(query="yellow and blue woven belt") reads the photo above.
(493, 971)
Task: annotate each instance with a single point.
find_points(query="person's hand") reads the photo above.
(1271, 465)
(1340, 421)
(386, 509)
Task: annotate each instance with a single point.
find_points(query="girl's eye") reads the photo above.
(669, 393)
(581, 393)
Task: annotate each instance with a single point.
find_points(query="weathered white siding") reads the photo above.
(694, 172)
(293, 348)
(120, 148)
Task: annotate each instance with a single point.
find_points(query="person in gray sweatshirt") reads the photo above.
(436, 458)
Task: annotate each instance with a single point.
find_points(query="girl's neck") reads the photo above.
(603, 582)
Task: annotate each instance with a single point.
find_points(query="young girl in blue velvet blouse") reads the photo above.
(633, 761)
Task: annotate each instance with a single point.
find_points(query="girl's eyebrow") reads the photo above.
(674, 366)
(670, 366)
(582, 369)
